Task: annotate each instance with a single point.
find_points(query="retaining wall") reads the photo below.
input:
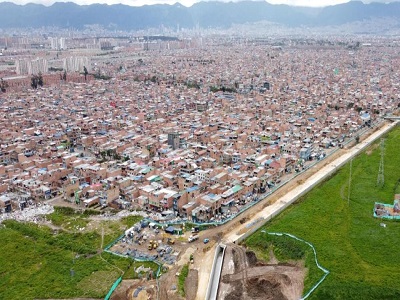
(215, 272)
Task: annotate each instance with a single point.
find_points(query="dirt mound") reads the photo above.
(251, 258)
(247, 278)
(191, 284)
(236, 292)
(142, 289)
(261, 288)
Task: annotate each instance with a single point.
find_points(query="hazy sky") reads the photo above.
(315, 3)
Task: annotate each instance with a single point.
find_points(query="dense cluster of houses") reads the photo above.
(194, 134)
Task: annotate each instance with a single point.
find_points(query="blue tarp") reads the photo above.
(170, 229)
(192, 189)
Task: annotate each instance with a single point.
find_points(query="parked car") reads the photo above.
(206, 241)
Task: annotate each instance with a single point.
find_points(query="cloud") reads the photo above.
(313, 3)
(377, 1)
(109, 2)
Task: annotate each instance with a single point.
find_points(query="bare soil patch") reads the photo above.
(261, 288)
(135, 290)
(245, 277)
(191, 284)
(371, 149)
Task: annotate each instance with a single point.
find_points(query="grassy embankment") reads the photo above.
(181, 280)
(36, 262)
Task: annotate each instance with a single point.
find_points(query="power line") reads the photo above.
(381, 178)
(348, 193)
(102, 237)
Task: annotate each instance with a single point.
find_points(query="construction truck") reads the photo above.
(155, 244)
(150, 246)
(192, 238)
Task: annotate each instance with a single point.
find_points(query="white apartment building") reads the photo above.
(57, 43)
(202, 175)
(76, 63)
(30, 67)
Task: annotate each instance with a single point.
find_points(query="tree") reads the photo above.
(34, 82)
(40, 79)
(3, 85)
(85, 72)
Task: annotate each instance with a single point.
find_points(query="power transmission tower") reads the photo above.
(381, 178)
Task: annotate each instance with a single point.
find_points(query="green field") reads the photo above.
(362, 256)
(181, 280)
(35, 262)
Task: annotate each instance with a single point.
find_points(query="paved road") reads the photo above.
(235, 233)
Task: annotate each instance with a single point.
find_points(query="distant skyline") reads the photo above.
(309, 3)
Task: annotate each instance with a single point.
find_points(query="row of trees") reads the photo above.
(37, 80)
(3, 85)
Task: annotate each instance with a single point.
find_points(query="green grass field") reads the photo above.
(36, 263)
(362, 256)
(181, 280)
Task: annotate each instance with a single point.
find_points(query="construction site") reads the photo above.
(140, 241)
(242, 275)
(245, 277)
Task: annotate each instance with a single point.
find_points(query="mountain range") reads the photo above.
(203, 14)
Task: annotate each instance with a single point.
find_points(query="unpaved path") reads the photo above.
(191, 284)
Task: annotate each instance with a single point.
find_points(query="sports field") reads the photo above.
(362, 256)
